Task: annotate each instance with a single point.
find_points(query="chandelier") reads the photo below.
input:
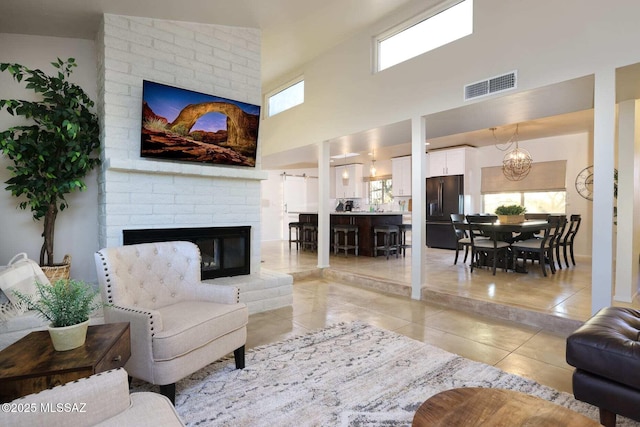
(516, 164)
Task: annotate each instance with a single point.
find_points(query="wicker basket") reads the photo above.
(58, 271)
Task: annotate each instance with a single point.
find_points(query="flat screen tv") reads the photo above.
(183, 125)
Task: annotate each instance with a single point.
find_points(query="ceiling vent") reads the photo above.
(490, 86)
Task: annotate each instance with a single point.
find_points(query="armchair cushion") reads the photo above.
(188, 325)
(149, 275)
(102, 399)
(146, 409)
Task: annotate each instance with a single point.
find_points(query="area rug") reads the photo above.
(350, 374)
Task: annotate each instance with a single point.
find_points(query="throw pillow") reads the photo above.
(21, 274)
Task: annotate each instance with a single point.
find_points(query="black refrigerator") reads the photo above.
(445, 195)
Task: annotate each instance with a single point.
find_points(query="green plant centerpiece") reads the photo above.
(510, 210)
(67, 304)
(55, 149)
(510, 214)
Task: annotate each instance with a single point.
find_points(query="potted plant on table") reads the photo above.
(511, 214)
(54, 151)
(67, 304)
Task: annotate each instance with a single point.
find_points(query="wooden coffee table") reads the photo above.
(31, 364)
(494, 407)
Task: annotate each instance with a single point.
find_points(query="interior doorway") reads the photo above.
(299, 194)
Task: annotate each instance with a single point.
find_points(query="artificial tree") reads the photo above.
(54, 152)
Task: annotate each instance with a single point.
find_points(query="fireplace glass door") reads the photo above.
(225, 251)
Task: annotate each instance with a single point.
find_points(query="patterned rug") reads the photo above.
(349, 374)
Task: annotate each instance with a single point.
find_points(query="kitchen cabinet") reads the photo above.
(401, 176)
(351, 188)
(458, 161)
(447, 162)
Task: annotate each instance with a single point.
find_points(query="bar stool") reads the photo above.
(345, 229)
(309, 236)
(403, 245)
(390, 239)
(297, 226)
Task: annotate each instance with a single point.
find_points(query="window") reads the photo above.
(422, 34)
(286, 98)
(543, 191)
(380, 191)
(534, 201)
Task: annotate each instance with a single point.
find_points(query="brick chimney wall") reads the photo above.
(136, 192)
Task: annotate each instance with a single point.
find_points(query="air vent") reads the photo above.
(490, 86)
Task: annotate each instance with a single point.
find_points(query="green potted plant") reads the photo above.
(511, 214)
(67, 304)
(54, 150)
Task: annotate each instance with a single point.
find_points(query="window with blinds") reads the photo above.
(543, 190)
(544, 176)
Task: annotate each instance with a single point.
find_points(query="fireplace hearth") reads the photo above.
(225, 251)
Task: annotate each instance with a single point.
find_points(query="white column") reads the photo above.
(603, 153)
(418, 208)
(628, 235)
(323, 204)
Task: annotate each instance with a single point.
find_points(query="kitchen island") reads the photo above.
(365, 221)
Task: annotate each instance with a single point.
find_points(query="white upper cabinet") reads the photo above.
(351, 188)
(401, 176)
(447, 162)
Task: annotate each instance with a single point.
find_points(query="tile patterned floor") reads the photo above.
(531, 352)
(515, 348)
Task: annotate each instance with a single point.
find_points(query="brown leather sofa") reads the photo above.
(606, 354)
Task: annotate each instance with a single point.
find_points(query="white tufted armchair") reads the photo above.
(178, 324)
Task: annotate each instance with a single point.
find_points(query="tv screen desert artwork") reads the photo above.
(183, 125)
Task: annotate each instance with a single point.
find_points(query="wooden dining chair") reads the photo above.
(482, 218)
(566, 241)
(557, 237)
(528, 216)
(486, 245)
(462, 237)
(542, 247)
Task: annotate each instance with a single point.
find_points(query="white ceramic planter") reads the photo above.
(68, 337)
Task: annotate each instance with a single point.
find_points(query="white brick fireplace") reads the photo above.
(137, 193)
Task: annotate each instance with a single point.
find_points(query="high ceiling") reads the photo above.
(293, 31)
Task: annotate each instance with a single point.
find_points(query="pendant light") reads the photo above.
(516, 164)
(345, 172)
(372, 170)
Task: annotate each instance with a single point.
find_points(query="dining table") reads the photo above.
(524, 229)
(530, 225)
(510, 233)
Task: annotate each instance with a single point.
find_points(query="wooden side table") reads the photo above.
(476, 406)
(31, 364)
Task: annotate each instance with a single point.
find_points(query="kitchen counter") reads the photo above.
(365, 221)
(370, 213)
(357, 213)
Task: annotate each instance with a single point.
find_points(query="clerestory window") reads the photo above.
(424, 33)
(286, 98)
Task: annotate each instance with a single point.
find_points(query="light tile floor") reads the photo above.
(514, 348)
(523, 350)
